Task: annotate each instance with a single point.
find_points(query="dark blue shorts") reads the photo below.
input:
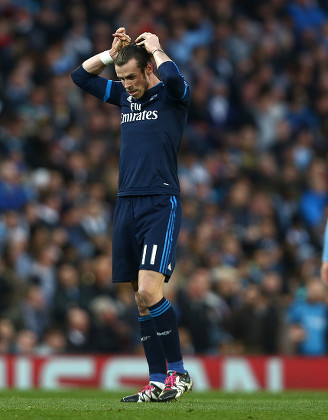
(145, 235)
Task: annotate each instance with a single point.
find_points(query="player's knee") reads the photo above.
(146, 295)
(150, 286)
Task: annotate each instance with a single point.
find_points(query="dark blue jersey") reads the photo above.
(151, 126)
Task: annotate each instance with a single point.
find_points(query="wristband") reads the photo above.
(106, 58)
(157, 49)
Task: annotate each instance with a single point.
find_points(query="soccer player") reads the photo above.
(147, 214)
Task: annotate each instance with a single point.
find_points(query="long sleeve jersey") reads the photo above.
(151, 129)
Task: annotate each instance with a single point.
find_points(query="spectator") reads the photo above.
(306, 15)
(43, 272)
(13, 194)
(7, 336)
(308, 321)
(110, 333)
(35, 314)
(202, 313)
(78, 332)
(54, 342)
(68, 292)
(26, 343)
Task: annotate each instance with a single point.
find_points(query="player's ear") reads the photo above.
(149, 69)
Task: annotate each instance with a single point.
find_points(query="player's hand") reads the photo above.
(324, 272)
(121, 40)
(149, 41)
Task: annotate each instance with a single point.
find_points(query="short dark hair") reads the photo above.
(135, 51)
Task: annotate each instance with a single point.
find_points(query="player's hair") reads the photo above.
(137, 52)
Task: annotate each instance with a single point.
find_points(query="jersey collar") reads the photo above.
(151, 91)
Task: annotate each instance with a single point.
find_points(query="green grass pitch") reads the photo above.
(99, 405)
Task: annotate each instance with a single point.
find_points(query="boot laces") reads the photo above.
(146, 389)
(170, 380)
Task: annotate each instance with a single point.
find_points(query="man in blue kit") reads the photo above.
(148, 209)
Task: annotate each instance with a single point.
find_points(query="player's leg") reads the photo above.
(154, 353)
(151, 291)
(126, 261)
(158, 220)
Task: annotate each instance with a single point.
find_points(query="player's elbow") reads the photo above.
(177, 90)
(75, 77)
(173, 80)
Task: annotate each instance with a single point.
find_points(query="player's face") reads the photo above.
(134, 80)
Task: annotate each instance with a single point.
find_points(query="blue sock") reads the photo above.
(176, 367)
(167, 331)
(153, 349)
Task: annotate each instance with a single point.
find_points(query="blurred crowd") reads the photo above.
(253, 172)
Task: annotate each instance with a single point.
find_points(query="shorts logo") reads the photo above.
(169, 267)
(145, 338)
(164, 332)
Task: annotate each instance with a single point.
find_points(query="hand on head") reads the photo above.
(121, 40)
(149, 41)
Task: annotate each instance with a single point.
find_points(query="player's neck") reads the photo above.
(153, 81)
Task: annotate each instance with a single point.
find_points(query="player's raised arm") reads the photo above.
(86, 76)
(97, 63)
(177, 87)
